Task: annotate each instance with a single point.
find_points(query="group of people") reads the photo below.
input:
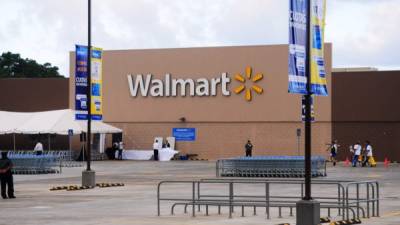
(158, 146)
(6, 177)
(361, 155)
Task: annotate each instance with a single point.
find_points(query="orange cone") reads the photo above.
(347, 162)
(386, 162)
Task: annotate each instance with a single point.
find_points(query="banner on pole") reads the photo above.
(81, 82)
(297, 47)
(317, 67)
(81, 76)
(97, 84)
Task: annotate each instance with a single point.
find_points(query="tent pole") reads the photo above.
(14, 141)
(48, 137)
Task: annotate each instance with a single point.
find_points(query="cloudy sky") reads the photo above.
(363, 32)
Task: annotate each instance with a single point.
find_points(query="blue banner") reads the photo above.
(184, 134)
(81, 76)
(297, 46)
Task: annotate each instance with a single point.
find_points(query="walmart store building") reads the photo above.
(228, 95)
(362, 103)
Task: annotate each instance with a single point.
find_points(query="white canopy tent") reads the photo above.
(49, 122)
(9, 121)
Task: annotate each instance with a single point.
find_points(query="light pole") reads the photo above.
(307, 124)
(307, 210)
(89, 89)
(88, 176)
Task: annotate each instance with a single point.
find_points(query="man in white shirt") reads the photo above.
(369, 149)
(156, 147)
(357, 152)
(38, 150)
(368, 153)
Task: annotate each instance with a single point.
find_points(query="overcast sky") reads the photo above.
(363, 32)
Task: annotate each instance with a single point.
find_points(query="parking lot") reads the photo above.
(136, 202)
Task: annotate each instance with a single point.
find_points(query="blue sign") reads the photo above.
(297, 46)
(70, 132)
(184, 134)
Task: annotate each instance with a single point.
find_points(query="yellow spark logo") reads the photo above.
(242, 87)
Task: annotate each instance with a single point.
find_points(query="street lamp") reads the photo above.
(88, 175)
(307, 210)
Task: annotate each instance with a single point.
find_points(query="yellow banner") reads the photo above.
(96, 84)
(318, 73)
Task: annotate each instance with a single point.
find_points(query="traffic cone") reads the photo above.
(386, 162)
(347, 162)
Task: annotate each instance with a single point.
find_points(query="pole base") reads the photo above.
(88, 178)
(307, 212)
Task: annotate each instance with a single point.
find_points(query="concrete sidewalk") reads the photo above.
(135, 203)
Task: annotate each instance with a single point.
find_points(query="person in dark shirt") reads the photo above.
(333, 148)
(120, 149)
(6, 176)
(249, 148)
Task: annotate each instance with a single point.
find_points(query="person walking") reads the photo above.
(6, 176)
(156, 147)
(368, 154)
(333, 149)
(357, 152)
(249, 149)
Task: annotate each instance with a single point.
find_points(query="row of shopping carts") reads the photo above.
(28, 162)
(270, 166)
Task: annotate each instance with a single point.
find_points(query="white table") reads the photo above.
(166, 154)
(163, 154)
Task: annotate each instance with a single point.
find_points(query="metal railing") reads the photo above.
(343, 201)
(370, 201)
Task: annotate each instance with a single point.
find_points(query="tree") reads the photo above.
(13, 66)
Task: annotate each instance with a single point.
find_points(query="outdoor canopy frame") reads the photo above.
(48, 122)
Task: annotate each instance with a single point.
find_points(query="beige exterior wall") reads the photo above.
(218, 140)
(223, 123)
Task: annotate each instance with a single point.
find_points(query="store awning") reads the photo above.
(49, 122)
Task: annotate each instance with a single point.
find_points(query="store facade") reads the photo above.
(220, 96)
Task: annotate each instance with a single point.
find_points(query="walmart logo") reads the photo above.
(171, 87)
(252, 87)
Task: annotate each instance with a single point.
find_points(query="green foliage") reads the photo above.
(13, 66)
